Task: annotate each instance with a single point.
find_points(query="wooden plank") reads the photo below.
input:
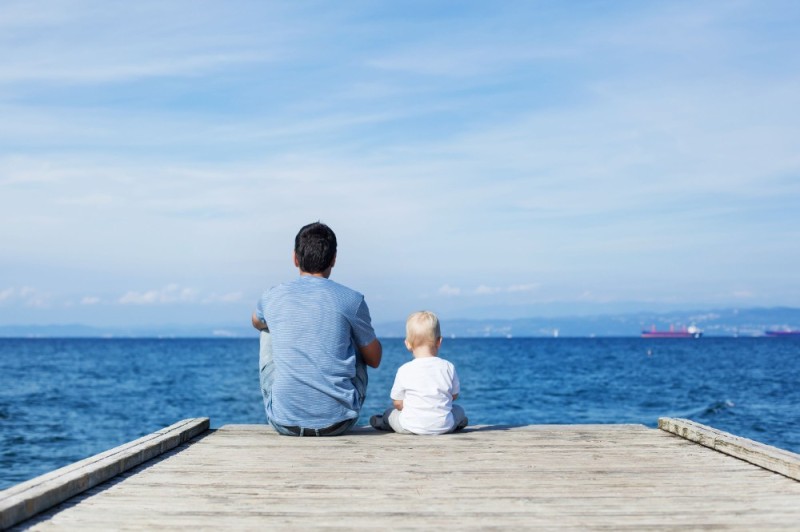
(771, 458)
(574, 477)
(25, 500)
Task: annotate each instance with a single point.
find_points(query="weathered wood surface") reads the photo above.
(766, 456)
(583, 477)
(29, 498)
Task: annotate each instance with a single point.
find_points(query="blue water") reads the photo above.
(64, 400)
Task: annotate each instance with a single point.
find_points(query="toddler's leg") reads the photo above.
(392, 417)
(460, 417)
(381, 421)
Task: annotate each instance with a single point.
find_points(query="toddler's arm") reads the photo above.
(455, 396)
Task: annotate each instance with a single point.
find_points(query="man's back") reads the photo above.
(316, 327)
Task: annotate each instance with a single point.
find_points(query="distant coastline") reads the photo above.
(729, 322)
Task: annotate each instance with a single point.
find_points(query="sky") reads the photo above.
(479, 159)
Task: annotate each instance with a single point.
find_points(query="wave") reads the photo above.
(710, 410)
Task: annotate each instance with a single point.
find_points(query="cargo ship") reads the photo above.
(783, 333)
(686, 332)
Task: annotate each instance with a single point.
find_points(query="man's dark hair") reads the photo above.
(315, 247)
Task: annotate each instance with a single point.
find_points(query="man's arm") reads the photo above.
(372, 353)
(398, 403)
(258, 323)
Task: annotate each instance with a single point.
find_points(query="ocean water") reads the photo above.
(62, 400)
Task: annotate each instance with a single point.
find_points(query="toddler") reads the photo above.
(424, 388)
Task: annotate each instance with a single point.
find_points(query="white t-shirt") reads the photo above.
(426, 386)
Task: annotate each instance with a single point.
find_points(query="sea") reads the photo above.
(62, 400)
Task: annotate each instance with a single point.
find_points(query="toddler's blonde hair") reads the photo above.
(422, 328)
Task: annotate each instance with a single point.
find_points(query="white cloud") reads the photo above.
(33, 297)
(90, 300)
(231, 297)
(65, 46)
(140, 298)
(522, 287)
(743, 294)
(443, 59)
(169, 294)
(174, 293)
(447, 290)
(137, 69)
(18, 170)
(6, 294)
(484, 290)
(88, 200)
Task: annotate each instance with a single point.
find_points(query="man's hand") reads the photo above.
(372, 353)
(259, 324)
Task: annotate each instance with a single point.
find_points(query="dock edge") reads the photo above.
(31, 497)
(765, 456)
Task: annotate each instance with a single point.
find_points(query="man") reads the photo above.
(316, 341)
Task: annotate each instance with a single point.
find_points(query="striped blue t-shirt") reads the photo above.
(316, 325)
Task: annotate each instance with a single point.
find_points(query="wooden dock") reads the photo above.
(582, 477)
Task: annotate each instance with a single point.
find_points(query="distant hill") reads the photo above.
(720, 322)
(164, 331)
